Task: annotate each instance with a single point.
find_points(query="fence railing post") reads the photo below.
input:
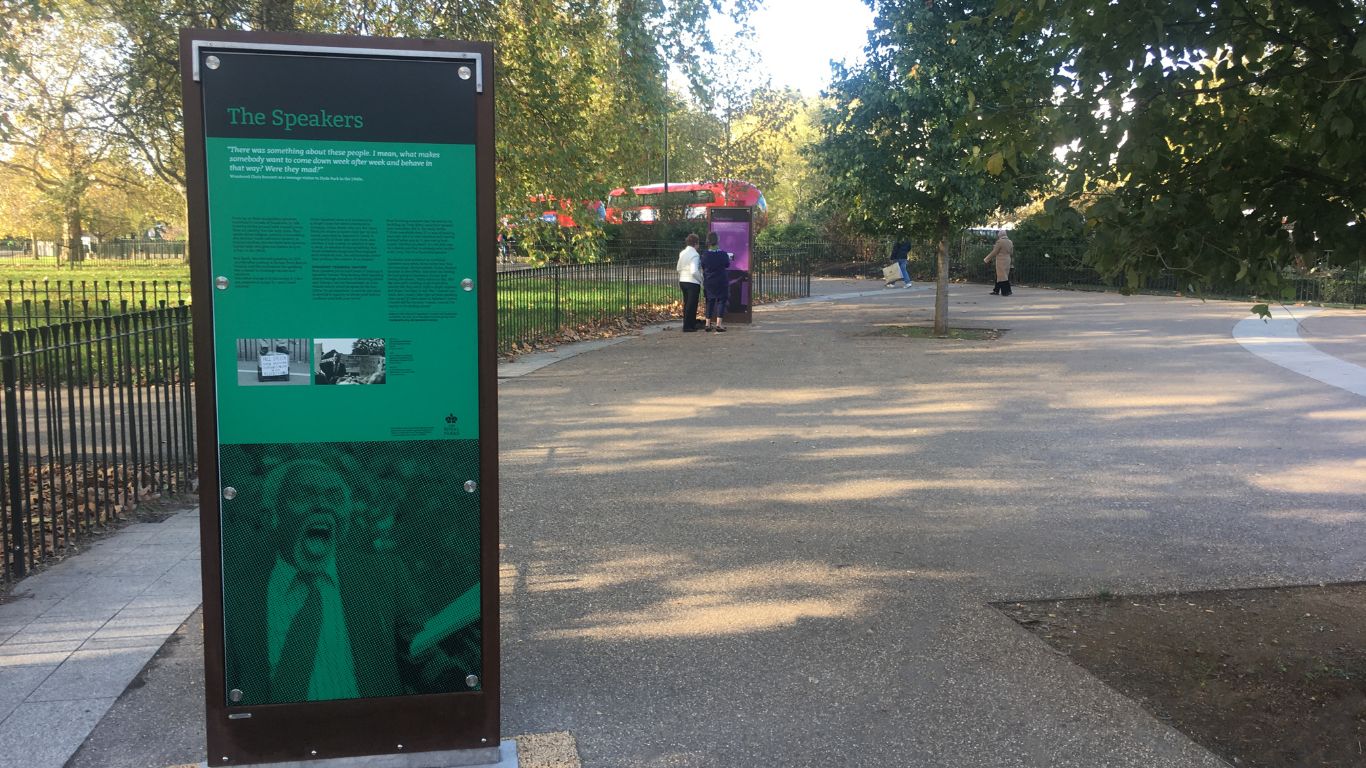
(17, 564)
(555, 316)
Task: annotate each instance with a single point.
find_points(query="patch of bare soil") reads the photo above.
(1270, 678)
(926, 332)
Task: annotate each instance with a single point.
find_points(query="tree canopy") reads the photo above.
(1218, 140)
(581, 84)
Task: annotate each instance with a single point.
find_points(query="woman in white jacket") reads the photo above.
(690, 282)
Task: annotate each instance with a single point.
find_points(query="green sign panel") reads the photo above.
(342, 218)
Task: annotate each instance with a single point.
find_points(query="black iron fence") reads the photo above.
(140, 248)
(97, 417)
(36, 303)
(1059, 263)
(633, 283)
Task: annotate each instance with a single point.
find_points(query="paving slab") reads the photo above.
(28, 738)
(77, 633)
(95, 673)
(17, 682)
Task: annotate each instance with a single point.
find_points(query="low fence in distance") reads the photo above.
(140, 248)
(1058, 263)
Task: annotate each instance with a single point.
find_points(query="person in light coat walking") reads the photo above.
(1002, 253)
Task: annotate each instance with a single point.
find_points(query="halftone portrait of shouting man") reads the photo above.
(313, 611)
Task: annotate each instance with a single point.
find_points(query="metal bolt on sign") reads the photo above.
(221, 283)
(472, 680)
(467, 284)
(471, 486)
(213, 62)
(230, 493)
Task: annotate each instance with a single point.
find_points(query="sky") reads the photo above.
(798, 38)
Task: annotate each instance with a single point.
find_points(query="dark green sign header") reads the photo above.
(336, 98)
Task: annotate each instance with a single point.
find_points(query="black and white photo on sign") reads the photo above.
(348, 361)
(277, 362)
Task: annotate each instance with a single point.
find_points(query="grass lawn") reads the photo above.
(94, 270)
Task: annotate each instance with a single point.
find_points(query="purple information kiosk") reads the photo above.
(734, 228)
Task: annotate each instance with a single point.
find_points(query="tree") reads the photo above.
(795, 188)
(1220, 140)
(137, 202)
(23, 212)
(50, 128)
(933, 133)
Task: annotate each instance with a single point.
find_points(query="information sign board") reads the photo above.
(341, 211)
(734, 228)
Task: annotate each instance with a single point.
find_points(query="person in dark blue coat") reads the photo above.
(716, 283)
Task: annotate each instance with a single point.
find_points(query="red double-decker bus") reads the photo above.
(562, 211)
(642, 203)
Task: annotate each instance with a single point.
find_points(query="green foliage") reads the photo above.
(541, 243)
(1217, 140)
(788, 235)
(1054, 239)
(932, 133)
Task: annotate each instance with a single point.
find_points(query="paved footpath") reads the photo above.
(778, 546)
(73, 636)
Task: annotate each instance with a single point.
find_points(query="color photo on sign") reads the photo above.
(272, 362)
(351, 570)
(349, 361)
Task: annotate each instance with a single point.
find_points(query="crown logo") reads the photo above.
(450, 418)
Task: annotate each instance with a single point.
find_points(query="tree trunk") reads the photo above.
(941, 281)
(75, 243)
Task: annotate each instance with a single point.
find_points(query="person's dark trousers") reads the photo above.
(996, 291)
(691, 292)
(1005, 287)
